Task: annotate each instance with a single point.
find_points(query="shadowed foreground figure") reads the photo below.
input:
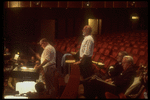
(119, 84)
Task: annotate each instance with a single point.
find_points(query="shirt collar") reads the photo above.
(86, 36)
(120, 63)
(47, 46)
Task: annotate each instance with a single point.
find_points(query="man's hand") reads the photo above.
(36, 66)
(76, 63)
(109, 80)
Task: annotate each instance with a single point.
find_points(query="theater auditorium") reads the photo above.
(75, 50)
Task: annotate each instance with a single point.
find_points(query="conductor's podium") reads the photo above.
(25, 74)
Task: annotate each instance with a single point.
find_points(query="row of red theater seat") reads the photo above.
(137, 48)
(106, 48)
(110, 46)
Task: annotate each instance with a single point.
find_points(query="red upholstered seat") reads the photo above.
(142, 60)
(142, 52)
(122, 48)
(78, 46)
(104, 45)
(95, 49)
(58, 47)
(73, 49)
(114, 54)
(134, 51)
(106, 62)
(112, 62)
(135, 58)
(68, 49)
(96, 58)
(135, 46)
(127, 44)
(63, 48)
(128, 49)
(107, 52)
(115, 47)
(121, 44)
(102, 58)
(101, 50)
(99, 45)
(142, 46)
(110, 46)
(109, 95)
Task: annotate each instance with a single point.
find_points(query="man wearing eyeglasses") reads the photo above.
(115, 85)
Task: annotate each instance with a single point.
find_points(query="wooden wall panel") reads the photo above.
(33, 4)
(84, 4)
(12, 4)
(74, 4)
(130, 4)
(62, 4)
(5, 4)
(77, 4)
(120, 4)
(96, 4)
(70, 27)
(50, 4)
(61, 28)
(24, 3)
(141, 4)
(108, 4)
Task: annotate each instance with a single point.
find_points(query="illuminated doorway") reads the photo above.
(96, 25)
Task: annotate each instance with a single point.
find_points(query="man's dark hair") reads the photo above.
(124, 53)
(39, 87)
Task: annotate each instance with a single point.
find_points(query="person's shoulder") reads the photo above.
(89, 37)
(50, 47)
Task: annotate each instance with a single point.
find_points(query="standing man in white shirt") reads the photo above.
(86, 52)
(48, 64)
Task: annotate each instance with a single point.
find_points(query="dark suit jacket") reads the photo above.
(117, 70)
(125, 79)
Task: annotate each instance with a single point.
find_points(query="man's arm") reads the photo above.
(44, 62)
(37, 55)
(78, 62)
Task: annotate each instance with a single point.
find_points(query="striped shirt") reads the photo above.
(87, 46)
(49, 54)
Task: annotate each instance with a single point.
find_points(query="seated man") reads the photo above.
(116, 69)
(115, 85)
(41, 92)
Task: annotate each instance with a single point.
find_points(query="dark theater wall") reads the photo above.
(24, 24)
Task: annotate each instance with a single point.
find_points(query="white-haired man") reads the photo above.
(86, 52)
(115, 85)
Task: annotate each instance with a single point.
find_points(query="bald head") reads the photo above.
(87, 30)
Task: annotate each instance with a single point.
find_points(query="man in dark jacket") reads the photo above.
(115, 85)
(116, 69)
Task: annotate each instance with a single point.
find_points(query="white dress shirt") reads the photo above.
(87, 46)
(49, 54)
